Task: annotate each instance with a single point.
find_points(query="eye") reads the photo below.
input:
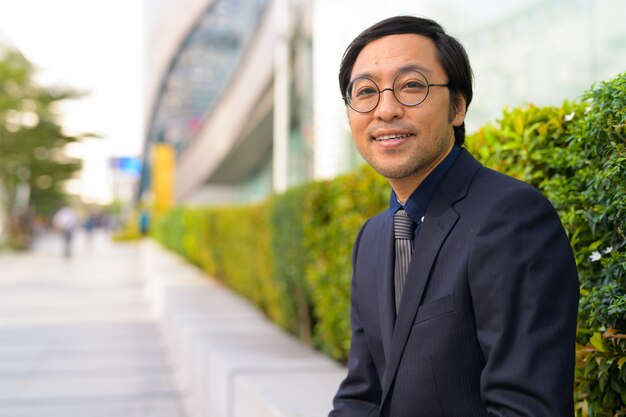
(413, 85)
(365, 91)
(362, 88)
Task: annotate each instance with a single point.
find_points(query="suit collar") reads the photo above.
(456, 183)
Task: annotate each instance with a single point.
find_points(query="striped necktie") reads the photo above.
(403, 228)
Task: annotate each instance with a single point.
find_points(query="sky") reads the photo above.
(94, 46)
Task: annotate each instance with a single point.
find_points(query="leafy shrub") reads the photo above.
(526, 142)
(291, 261)
(599, 158)
(333, 213)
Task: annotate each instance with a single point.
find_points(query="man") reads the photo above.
(482, 321)
(66, 221)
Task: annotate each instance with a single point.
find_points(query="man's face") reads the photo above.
(402, 142)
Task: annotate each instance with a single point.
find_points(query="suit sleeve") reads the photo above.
(524, 286)
(359, 393)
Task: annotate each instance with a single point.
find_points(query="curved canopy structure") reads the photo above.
(201, 71)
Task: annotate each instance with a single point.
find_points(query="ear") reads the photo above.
(459, 109)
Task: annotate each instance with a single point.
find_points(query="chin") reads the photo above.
(395, 172)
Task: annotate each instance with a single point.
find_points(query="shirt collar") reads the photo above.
(419, 200)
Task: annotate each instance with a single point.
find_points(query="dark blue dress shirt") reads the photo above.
(418, 202)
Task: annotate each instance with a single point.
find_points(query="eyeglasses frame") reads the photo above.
(428, 85)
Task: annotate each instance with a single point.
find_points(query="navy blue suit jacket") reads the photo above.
(487, 320)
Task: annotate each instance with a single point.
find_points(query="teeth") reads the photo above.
(390, 137)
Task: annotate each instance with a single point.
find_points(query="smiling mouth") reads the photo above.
(391, 137)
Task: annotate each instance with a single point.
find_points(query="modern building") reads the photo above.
(212, 98)
(245, 92)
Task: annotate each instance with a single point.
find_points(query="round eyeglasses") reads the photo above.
(410, 88)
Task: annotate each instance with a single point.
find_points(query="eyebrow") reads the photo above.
(408, 67)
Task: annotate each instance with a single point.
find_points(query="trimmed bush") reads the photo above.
(333, 213)
(291, 260)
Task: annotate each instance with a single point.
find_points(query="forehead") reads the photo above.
(388, 55)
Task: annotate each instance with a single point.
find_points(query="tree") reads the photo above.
(33, 165)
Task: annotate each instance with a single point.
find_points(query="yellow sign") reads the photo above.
(163, 163)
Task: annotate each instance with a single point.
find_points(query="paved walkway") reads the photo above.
(79, 337)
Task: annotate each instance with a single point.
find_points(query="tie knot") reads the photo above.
(403, 226)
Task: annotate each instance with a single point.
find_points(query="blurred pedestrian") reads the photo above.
(90, 224)
(144, 222)
(66, 221)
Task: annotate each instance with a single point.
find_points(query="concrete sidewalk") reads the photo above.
(79, 337)
(132, 330)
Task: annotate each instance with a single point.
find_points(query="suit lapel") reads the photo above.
(384, 281)
(439, 220)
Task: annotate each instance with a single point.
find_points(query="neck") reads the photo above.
(404, 188)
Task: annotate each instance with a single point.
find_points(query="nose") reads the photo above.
(388, 106)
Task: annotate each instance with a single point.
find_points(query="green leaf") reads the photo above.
(597, 342)
(595, 245)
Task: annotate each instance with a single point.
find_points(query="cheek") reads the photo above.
(358, 127)
(433, 125)
(436, 115)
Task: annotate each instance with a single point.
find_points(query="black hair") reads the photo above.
(451, 54)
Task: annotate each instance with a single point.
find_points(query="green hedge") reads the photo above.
(291, 254)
